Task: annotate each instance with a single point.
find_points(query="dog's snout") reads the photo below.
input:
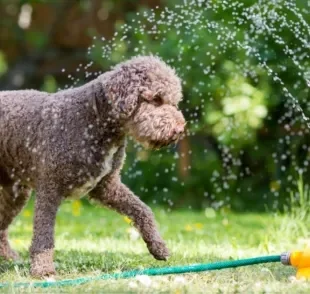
(179, 129)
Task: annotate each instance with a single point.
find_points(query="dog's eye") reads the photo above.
(158, 100)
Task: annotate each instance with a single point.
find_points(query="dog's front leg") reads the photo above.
(115, 195)
(42, 247)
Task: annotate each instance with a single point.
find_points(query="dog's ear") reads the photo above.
(146, 94)
(121, 93)
(154, 98)
(126, 105)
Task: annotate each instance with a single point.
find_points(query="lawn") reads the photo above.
(91, 240)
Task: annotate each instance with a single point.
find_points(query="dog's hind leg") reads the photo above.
(12, 199)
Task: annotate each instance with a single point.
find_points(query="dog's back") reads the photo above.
(18, 120)
(19, 104)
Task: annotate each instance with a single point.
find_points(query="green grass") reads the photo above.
(91, 240)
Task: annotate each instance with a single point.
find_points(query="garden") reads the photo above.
(234, 186)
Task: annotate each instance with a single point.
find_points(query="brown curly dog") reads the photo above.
(72, 143)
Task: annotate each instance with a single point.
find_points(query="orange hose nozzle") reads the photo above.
(300, 260)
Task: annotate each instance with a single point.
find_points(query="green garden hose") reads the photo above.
(149, 272)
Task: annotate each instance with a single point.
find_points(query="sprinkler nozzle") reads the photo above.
(300, 260)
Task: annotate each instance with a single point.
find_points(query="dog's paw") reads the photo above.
(43, 272)
(159, 250)
(42, 265)
(9, 254)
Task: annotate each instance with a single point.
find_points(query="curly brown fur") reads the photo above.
(72, 143)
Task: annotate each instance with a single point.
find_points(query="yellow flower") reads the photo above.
(17, 241)
(127, 220)
(275, 185)
(188, 228)
(198, 226)
(27, 213)
(225, 222)
(76, 207)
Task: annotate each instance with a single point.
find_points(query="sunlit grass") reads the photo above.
(92, 240)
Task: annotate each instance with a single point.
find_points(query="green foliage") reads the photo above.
(3, 65)
(240, 113)
(246, 141)
(295, 219)
(49, 85)
(232, 103)
(37, 39)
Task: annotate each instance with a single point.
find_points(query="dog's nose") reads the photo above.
(179, 129)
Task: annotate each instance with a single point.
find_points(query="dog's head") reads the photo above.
(146, 92)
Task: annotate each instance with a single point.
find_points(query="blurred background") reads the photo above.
(246, 144)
